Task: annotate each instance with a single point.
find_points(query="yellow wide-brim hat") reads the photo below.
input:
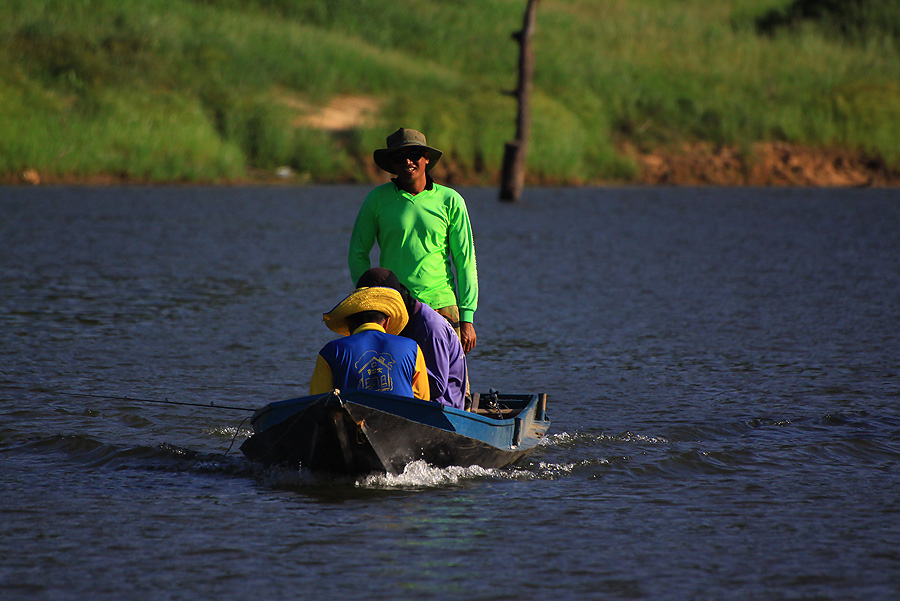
(376, 298)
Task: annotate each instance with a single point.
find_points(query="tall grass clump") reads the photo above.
(226, 89)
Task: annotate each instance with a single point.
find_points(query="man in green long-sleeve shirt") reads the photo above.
(421, 227)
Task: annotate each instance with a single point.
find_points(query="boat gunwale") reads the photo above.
(527, 400)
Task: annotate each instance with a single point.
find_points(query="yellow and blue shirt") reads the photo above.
(373, 359)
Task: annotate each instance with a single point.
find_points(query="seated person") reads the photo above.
(371, 355)
(444, 356)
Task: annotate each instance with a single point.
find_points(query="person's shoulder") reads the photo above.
(386, 186)
(381, 191)
(449, 196)
(330, 346)
(444, 190)
(403, 341)
(434, 321)
(428, 313)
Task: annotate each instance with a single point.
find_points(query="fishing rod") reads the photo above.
(210, 405)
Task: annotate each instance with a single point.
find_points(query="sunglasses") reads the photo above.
(412, 155)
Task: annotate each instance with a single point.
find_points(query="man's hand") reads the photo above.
(467, 335)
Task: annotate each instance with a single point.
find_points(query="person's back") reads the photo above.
(372, 359)
(444, 356)
(370, 355)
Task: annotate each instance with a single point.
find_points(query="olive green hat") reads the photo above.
(403, 139)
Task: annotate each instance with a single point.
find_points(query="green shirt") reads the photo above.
(418, 235)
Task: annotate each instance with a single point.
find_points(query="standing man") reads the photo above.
(423, 233)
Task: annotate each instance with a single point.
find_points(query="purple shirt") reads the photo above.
(444, 356)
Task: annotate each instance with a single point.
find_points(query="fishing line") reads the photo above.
(210, 405)
(237, 431)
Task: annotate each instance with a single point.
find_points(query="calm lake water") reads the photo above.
(723, 369)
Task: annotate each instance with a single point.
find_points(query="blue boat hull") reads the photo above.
(364, 431)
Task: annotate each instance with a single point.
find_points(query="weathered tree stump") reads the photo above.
(512, 178)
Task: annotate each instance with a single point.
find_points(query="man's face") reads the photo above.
(410, 164)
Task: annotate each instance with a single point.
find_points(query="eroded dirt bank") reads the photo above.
(769, 164)
(700, 164)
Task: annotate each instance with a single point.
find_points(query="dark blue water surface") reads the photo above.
(723, 367)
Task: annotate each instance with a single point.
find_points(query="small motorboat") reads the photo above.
(363, 431)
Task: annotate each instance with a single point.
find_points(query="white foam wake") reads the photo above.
(421, 474)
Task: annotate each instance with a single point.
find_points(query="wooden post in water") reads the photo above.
(512, 178)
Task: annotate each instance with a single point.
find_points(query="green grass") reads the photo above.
(212, 90)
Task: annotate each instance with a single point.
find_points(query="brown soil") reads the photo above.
(765, 164)
(342, 113)
(699, 164)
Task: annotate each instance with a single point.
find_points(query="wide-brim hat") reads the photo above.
(386, 300)
(403, 139)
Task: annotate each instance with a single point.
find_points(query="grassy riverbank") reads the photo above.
(625, 90)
